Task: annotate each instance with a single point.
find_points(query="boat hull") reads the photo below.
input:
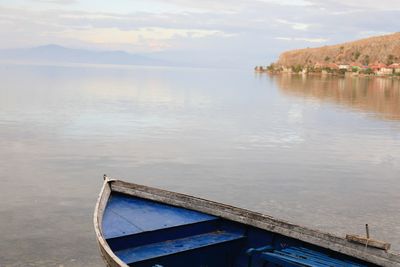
(192, 212)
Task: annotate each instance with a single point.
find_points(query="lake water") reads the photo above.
(322, 152)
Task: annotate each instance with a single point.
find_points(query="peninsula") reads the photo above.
(378, 55)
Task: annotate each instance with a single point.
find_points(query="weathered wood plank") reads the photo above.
(368, 242)
(109, 257)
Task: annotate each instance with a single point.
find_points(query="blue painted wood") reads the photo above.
(288, 261)
(145, 233)
(219, 255)
(313, 252)
(170, 247)
(140, 239)
(318, 257)
(303, 257)
(125, 215)
(295, 256)
(255, 251)
(314, 258)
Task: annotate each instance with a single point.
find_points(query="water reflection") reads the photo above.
(221, 135)
(376, 95)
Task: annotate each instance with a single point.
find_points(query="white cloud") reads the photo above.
(154, 38)
(304, 39)
(360, 4)
(189, 27)
(289, 2)
(58, 2)
(295, 25)
(366, 34)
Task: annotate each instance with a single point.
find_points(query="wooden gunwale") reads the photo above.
(239, 215)
(108, 255)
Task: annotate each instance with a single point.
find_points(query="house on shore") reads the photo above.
(333, 66)
(344, 66)
(319, 65)
(381, 69)
(395, 67)
(260, 69)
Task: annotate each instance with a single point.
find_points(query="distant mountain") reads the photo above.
(380, 49)
(59, 54)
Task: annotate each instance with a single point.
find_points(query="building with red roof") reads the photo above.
(395, 67)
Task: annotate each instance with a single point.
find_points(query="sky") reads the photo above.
(207, 32)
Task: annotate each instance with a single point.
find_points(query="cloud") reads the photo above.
(226, 6)
(141, 32)
(366, 34)
(359, 4)
(304, 39)
(57, 2)
(289, 2)
(295, 25)
(248, 31)
(154, 38)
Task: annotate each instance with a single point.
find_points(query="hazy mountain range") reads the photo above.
(59, 54)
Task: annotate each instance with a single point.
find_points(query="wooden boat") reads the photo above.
(142, 226)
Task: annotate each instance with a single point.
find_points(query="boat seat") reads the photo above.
(170, 247)
(125, 215)
(299, 256)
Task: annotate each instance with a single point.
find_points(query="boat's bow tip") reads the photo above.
(107, 179)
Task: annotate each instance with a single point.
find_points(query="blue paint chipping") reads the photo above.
(289, 259)
(144, 233)
(175, 246)
(126, 215)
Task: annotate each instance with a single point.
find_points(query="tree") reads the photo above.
(297, 68)
(366, 60)
(390, 60)
(357, 55)
(327, 58)
(368, 71)
(271, 67)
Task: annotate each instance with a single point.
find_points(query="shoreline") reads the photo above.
(345, 75)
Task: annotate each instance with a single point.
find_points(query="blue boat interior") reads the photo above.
(144, 233)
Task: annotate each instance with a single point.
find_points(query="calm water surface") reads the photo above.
(323, 152)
